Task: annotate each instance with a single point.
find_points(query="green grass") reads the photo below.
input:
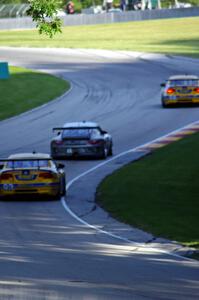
(195, 255)
(169, 36)
(26, 89)
(158, 193)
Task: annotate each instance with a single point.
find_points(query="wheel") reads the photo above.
(110, 153)
(57, 197)
(164, 104)
(63, 187)
(104, 153)
(53, 156)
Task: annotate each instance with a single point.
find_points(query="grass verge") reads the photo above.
(158, 193)
(168, 36)
(195, 256)
(26, 89)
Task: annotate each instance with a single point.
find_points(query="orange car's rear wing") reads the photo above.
(70, 128)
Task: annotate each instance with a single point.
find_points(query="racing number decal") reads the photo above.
(8, 187)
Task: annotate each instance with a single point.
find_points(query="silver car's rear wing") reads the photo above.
(70, 128)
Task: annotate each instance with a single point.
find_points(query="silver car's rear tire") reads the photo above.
(110, 152)
(104, 153)
(63, 188)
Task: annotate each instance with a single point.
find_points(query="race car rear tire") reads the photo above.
(55, 157)
(110, 153)
(104, 153)
(63, 188)
(165, 105)
(57, 197)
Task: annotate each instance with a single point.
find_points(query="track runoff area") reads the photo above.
(145, 148)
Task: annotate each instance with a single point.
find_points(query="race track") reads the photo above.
(46, 253)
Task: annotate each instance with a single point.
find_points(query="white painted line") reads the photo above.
(118, 237)
(105, 163)
(98, 166)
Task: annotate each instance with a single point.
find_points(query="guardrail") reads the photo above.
(84, 19)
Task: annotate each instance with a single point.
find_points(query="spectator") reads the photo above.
(70, 8)
(123, 5)
(108, 4)
(130, 4)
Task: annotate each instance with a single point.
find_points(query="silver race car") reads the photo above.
(81, 139)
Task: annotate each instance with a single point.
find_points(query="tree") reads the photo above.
(44, 13)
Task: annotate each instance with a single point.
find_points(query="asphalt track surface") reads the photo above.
(47, 252)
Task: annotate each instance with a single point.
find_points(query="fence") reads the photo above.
(84, 19)
(13, 10)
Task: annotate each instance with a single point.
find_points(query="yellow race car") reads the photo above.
(31, 173)
(180, 89)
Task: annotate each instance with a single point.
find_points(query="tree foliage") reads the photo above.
(44, 13)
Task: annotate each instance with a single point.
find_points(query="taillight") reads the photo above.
(95, 142)
(46, 175)
(196, 90)
(58, 142)
(170, 91)
(6, 176)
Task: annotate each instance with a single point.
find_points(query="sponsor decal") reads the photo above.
(8, 187)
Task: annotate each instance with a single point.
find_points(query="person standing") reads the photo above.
(123, 5)
(70, 8)
(108, 4)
